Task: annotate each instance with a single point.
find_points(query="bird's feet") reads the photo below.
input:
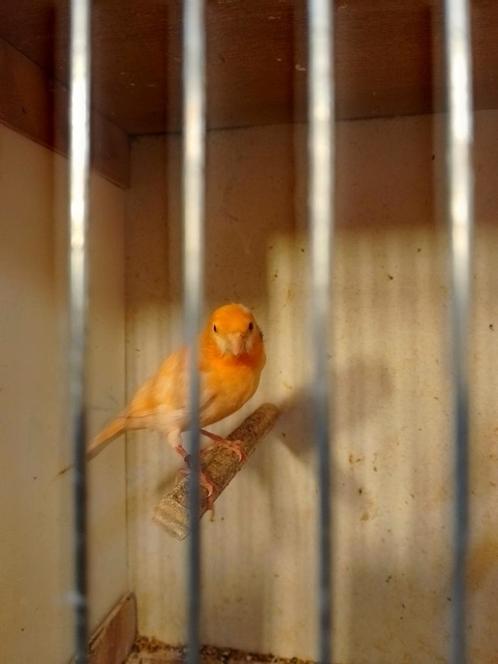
(234, 446)
(204, 480)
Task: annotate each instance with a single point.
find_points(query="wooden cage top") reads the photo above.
(388, 59)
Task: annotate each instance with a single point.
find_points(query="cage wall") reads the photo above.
(36, 613)
(392, 456)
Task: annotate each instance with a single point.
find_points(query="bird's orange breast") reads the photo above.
(232, 381)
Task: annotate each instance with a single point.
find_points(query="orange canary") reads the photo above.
(231, 359)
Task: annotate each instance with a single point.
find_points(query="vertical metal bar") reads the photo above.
(193, 229)
(79, 174)
(460, 219)
(321, 196)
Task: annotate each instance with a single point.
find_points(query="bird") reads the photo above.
(231, 358)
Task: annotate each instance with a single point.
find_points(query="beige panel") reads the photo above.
(392, 463)
(36, 503)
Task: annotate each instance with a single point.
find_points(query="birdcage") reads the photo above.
(316, 162)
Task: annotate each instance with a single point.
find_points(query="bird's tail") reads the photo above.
(102, 440)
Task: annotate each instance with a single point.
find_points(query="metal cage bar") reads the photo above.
(321, 196)
(193, 239)
(79, 158)
(460, 220)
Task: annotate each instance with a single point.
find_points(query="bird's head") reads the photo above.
(234, 330)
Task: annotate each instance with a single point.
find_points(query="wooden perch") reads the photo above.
(221, 465)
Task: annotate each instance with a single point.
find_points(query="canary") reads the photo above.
(231, 357)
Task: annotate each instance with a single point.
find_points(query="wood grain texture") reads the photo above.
(388, 58)
(114, 638)
(221, 465)
(37, 107)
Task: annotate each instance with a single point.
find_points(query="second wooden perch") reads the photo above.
(221, 465)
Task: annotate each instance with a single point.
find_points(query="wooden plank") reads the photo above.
(113, 640)
(221, 465)
(38, 108)
(388, 58)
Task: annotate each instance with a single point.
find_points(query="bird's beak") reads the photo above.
(237, 344)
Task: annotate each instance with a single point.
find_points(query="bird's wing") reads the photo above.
(161, 403)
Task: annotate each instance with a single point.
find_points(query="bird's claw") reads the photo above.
(206, 484)
(234, 446)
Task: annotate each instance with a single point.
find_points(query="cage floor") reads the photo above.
(151, 651)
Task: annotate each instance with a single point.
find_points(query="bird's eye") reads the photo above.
(215, 329)
(251, 326)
